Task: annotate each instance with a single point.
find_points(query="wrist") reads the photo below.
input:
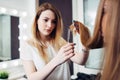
(54, 62)
(85, 50)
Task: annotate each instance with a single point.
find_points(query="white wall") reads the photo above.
(77, 10)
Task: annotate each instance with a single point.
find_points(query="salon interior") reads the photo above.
(16, 18)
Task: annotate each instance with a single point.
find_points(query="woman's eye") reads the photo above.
(45, 20)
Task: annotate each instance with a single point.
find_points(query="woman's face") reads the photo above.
(46, 22)
(105, 18)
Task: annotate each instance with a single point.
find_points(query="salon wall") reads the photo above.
(77, 10)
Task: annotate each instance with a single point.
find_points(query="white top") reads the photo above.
(28, 52)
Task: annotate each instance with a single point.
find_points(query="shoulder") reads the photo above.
(26, 50)
(29, 42)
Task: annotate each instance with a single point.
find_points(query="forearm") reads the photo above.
(64, 54)
(84, 59)
(43, 73)
(80, 58)
(85, 54)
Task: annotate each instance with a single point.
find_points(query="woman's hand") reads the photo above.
(65, 53)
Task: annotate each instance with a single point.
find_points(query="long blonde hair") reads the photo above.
(111, 69)
(55, 36)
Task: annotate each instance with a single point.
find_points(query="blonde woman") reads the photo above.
(106, 32)
(46, 55)
(111, 69)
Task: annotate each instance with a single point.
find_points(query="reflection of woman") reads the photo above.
(46, 55)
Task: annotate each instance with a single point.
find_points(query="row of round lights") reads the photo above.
(21, 14)
(14, 12)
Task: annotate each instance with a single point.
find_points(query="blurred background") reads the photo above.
(16, 18)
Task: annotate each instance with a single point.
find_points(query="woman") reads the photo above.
(107, 32)
(111, 69)
(46, 55)
(98, 38)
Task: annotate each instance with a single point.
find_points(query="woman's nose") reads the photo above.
(49, 24)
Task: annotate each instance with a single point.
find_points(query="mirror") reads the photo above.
(9, 33)
(23, 17)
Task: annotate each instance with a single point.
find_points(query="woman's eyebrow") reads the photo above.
(48, 18)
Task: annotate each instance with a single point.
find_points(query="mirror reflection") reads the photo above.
(5, 50)
(9, 33)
